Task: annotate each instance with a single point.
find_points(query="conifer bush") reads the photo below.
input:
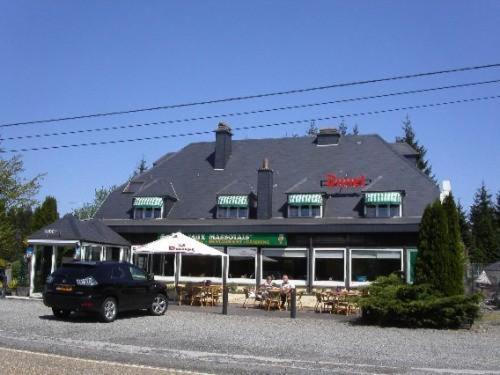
(391, 302)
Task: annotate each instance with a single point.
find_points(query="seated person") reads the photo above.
(264, 288)
(286, 287)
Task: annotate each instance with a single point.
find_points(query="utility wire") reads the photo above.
(358, 114)
(233, 114)
(255, 96)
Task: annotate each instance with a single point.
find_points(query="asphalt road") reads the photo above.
(245, 342)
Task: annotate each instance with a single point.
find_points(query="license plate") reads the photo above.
(64, 288)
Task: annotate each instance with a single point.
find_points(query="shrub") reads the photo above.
(12, 284)
(390, 302)
(17, 268)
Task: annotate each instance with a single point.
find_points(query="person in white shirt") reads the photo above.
(285, 289)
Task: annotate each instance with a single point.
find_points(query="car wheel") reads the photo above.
(159, 305)
(109, 310)
(61, 313)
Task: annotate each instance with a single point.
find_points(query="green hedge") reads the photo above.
(391, 302)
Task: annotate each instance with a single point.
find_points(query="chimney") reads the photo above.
(265, 191)
(222, 146)
(327, 137)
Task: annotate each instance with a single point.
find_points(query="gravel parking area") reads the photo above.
(251, 342)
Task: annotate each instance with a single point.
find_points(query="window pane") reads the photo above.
(304, 211)
(95, 253)
(394, 210)
(138, 213)
(293, 211)
(243, 212)
(370, 211)
(156, 267)
(368, 269)
(221, 212)
(383, 211)
(316, 211)
(201, 266)
(148, 213)
(168, 264)
(242, 263)
(295, 268)
(329, 269)
(233, 212)
(157, 213)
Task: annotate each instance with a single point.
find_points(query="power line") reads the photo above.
(243, 113)
(294, 122)
(255, 96)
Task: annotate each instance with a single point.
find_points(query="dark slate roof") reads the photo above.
(71, 229)
(298, 164)
(404, 148)
(238, 187)
(158, 187)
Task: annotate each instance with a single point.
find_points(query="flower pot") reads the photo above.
(23, 291)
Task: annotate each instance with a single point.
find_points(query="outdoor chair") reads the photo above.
(342, 306)
(273, 299)
(249, 295)
(197, 296)
(299, 301)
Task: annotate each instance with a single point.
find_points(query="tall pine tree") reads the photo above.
(343, 128)
(409, 137)
(485, 239)
(455, 248)
(432, 266)
(45, 214)
(465, 233)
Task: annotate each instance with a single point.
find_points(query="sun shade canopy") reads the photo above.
(178, 243)
(232, 201)
(148, 202)
(383, 198)
(305, 199)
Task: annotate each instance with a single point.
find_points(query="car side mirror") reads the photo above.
(150, 276)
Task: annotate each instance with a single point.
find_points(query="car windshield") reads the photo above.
(71, 272)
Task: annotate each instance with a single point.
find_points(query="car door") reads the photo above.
(141, 287)
(122, 284)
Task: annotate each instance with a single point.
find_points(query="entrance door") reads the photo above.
(43, 265)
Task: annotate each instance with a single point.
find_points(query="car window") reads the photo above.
(137, 273)
(118, 273)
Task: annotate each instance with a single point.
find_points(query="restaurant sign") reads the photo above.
(334, 181)
(241, 239)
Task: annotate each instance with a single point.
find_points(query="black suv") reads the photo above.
(104, 288)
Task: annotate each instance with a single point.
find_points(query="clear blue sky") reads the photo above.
(71, 57)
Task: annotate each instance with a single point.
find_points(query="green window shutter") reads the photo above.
(382, 198)
(148, 202)
(305, 199)
(232, 201)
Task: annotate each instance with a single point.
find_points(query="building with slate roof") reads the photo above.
(328, 210)
(69, 238)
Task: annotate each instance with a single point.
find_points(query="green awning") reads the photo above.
(148, 202)
(305, 199)
(232, 200)
(383, 198)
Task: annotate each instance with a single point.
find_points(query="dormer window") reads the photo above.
(383, 204)
(305, 205)
(232, 206)
(148, 208)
